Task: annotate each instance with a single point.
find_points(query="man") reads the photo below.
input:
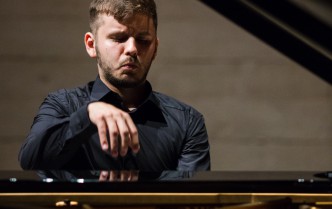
(117, 122)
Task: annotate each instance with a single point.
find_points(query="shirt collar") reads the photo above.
(100, 91)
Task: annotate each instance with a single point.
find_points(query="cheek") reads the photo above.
(115, 52)
(147, 52)
(152, 53)
(111, 48)
(111, 54)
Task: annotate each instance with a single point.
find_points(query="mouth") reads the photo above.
(129, 66)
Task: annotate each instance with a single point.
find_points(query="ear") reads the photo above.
(156, 49)
(89, 41)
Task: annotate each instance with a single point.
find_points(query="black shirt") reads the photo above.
(172, 135)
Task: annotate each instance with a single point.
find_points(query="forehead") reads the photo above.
(138, 23)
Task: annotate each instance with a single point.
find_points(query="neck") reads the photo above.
(131, 97)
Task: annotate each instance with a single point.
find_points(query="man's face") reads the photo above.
(125, 50)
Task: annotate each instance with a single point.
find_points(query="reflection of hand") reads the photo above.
(118, 176)
(114, 122)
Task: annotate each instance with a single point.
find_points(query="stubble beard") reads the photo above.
(120, 82)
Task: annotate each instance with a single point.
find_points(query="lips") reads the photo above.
(129, 66)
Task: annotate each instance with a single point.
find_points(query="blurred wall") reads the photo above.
(263, 111)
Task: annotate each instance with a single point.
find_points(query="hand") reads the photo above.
(118, 176)
(114, 122)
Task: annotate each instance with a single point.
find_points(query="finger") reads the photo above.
(133, 176)
(103, 176)
(133, 138)
(102, 132)
(124, 176)
(113, 135)
(113, 176)
(124, 134)
(124, 144)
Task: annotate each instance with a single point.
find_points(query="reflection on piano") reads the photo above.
(169, 189)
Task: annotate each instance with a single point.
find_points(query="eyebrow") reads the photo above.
(145, 33)
(121, 32)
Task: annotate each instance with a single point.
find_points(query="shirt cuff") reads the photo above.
(80, 120)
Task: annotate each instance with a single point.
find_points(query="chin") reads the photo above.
(126, 83)
(125, 80)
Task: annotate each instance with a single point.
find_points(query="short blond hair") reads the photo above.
(121, 10)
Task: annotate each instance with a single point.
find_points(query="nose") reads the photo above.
(131, 48)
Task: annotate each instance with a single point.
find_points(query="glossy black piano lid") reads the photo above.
(288, 28)
(168, 181)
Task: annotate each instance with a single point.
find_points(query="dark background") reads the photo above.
(263, 111)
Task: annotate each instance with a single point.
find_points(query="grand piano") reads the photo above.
(294, 28)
